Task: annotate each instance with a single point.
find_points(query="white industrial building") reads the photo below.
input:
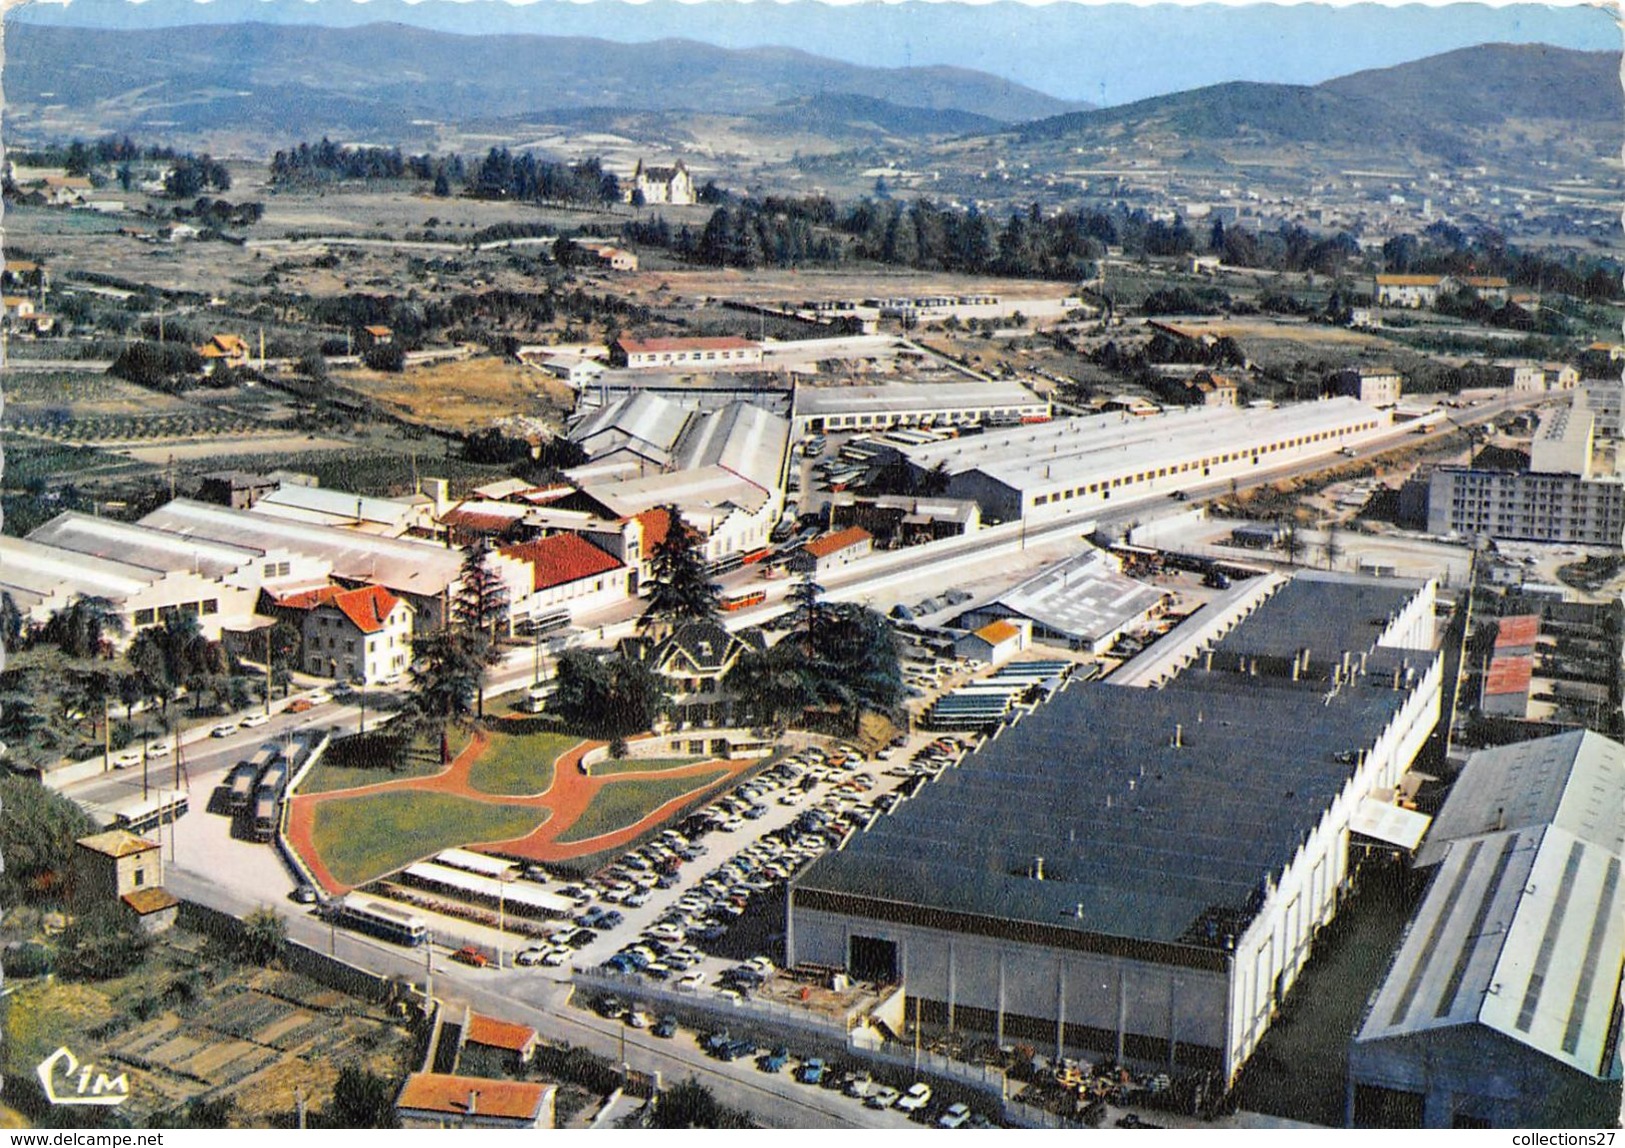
(818, 410)
(426, 574)
(1079, 465)
(1501, 1007)
(1143, 871)
(1084, 602)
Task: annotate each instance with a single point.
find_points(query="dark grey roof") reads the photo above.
(1324, 612)
(1154, 841)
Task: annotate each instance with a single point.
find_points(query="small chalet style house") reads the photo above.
(694, 659)
(650, 185)
(360, 635)
(232, 350)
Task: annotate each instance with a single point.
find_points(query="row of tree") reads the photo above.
(503, 175)
(327, 161)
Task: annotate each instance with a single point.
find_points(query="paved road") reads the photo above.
(519, 995)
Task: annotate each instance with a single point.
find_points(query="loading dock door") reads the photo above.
(874, 960)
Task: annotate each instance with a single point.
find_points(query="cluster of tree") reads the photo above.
(1466, 303)
(607, 695)
(1291, 247)
(1444, 249)
(449, 664)
(693, 1105)
(175, 654)
(512, 229)
(327, 161)
(191, 175)
(841, 658)
(36, 838)
(81, 158)
(502, 175)
(477, 314)
(221, 213)
(161, 366)
(493, 448)
(1178, 300)
(747, 236)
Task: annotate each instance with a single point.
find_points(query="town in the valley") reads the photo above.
(1061, 624)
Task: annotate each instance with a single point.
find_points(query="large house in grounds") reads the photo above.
(1424, 290)
(360, 635)
(694, 659)
(650, 185)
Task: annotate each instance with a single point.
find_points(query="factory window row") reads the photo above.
(151, 617)
(1104, 487)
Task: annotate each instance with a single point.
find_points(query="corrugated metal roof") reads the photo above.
(1523, 928)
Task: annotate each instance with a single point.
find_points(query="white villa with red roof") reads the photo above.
(360, 635)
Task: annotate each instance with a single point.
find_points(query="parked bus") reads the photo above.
(266, 809)
(393, 923)
(145, 815)
(543, 623)
(743, 599)
(240, 786)
(273, 778)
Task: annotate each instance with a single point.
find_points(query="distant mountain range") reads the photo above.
(377, 81)
(1438, 106)
(1107, 53)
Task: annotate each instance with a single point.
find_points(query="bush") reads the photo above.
(389, 357)
(100, 945)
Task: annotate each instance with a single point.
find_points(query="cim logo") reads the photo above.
(66, 1081)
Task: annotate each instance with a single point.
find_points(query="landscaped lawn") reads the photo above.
(363, 837)
(422, 759)
(624, 803)
(614, 765)
(518, 765)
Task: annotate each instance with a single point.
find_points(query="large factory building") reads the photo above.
(1143, 871)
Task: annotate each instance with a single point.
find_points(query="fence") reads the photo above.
(769, 1014)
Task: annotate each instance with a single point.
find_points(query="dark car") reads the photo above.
(665, 1027)
(581, 938)
(812, 1072)
(775, 1060)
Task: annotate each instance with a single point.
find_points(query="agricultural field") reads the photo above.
(189, 1023)
(467, 395)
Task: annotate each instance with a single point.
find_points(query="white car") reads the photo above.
(691, 982)
(254, 721)
(915, 1099)
(224, 729)
(530, 957)
(881, 1097)
(638, 1019)
(126, 760)
(158, 749)
(554, 958)
(955, 1117)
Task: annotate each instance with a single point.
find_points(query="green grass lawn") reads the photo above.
(350, 769)
(614, 765)
(362, 838)
(518, 765)
(624, 803)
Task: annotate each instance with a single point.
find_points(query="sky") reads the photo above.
(1102, 53)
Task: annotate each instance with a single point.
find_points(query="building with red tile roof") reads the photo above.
(831, 551)
(444, 1100)
(569, 573)
(360, 635)
(489, 1032)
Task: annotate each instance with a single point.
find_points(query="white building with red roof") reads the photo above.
(722, 352)
(832, 551)
(571, 574)
(362, 635)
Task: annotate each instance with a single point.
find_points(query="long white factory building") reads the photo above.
(1080, 464)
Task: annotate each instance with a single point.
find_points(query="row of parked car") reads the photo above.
(916, 1099)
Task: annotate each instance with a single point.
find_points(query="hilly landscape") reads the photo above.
(389, 83)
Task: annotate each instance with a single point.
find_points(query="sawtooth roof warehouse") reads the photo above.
(1142, 871)
(1071, 465)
